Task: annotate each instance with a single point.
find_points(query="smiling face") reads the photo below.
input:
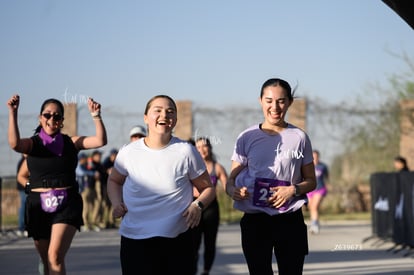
(275, 103)
(203, 148)
(51, 118)
(161, 115)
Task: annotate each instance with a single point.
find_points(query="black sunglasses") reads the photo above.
(56, 117)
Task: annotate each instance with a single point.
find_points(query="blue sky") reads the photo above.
(211, 52)
(214, 52)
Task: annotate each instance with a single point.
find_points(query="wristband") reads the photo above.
(96, 113)
(297, 191)
(27, 188)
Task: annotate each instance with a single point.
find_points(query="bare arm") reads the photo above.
(221, 175)
(15, 142)
(282, 194)
(100, 137)
(309, 179)
(205, 188)
(207, 194)
(114, 189)
(23, 174)
(236, 193)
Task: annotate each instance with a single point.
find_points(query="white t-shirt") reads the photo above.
(271, 157)
(157, 187)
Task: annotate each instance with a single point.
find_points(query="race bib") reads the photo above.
(262, 191)
(53, 200)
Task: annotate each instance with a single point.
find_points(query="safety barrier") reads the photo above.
(392, 201)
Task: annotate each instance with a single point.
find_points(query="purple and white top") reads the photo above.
(273, 159)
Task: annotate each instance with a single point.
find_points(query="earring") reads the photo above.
(61, 126)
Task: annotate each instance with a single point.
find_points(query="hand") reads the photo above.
(193, 215)
(239, 194)
(93, 106)
(119, 210)
(13, 102)
(280, 196)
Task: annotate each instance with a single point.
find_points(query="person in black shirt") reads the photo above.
(53, 205)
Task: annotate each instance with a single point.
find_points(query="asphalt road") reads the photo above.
(340, 248)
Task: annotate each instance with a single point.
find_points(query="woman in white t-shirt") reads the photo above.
(272, 170)
(151, 188)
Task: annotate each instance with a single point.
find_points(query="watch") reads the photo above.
(297, 191)
(27, 188)
(199, 204)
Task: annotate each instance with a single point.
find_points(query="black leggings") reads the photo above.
(285, 235)
(208, 229)
(158, 255)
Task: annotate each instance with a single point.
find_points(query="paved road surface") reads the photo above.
(340, 248)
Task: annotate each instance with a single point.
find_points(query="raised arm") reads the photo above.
(100, 138)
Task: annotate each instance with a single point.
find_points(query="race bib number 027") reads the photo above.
(53, 200)
(262, 191)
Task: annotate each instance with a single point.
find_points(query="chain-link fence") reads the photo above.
(222, 125)
(326, 124)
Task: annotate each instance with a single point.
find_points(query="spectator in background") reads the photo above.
(108, 219)
(82, 172)
(22, 178)
(108, 162)
(400, 164)
(137, 132)
(89, 194)
(95, 164)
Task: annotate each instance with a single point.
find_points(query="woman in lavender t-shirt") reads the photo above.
(272, 170)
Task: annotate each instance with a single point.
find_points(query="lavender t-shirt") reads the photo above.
(275, 157)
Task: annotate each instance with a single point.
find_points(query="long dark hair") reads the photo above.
(279, 82)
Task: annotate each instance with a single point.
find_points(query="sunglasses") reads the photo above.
(56, 117)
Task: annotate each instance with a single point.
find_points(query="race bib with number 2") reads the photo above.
(262, 191)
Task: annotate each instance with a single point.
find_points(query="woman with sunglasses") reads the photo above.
(53, 205)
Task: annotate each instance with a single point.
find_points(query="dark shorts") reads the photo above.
(39, 223)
